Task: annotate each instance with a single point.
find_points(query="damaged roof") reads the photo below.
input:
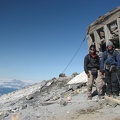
(104, 18)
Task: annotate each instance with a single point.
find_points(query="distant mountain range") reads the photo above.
(7, 86)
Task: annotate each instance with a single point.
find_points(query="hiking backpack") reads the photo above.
(118, 60)
(111, 60)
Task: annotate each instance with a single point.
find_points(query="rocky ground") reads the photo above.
(55, 100)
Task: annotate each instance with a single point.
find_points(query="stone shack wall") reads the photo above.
(105, 28)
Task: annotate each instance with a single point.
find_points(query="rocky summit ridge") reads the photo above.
(55, 99)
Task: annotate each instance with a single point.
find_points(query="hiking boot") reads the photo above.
(89, 98)
(115, 95)
(109, 94)
(100, 97)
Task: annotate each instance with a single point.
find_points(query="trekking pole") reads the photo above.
(118, 78)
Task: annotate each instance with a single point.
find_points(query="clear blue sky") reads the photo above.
(38, 38)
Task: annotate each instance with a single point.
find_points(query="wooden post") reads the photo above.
(15, 116)
(114, 100)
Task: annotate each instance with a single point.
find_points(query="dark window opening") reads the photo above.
(92, 37)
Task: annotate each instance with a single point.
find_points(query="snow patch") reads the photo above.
(81, 78)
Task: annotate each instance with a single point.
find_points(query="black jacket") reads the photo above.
(90, 62)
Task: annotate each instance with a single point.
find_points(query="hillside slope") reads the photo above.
(55, 100)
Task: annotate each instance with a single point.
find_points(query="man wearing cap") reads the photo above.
(108, 65)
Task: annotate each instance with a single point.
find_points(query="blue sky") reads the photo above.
(38, 38)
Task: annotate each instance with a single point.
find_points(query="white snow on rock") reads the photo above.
(81, 78)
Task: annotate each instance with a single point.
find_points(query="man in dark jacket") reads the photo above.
(91, 68)
(108, 65)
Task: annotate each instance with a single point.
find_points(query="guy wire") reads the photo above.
(74, 55)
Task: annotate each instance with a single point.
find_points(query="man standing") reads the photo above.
(108, 66)
(91, 68)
